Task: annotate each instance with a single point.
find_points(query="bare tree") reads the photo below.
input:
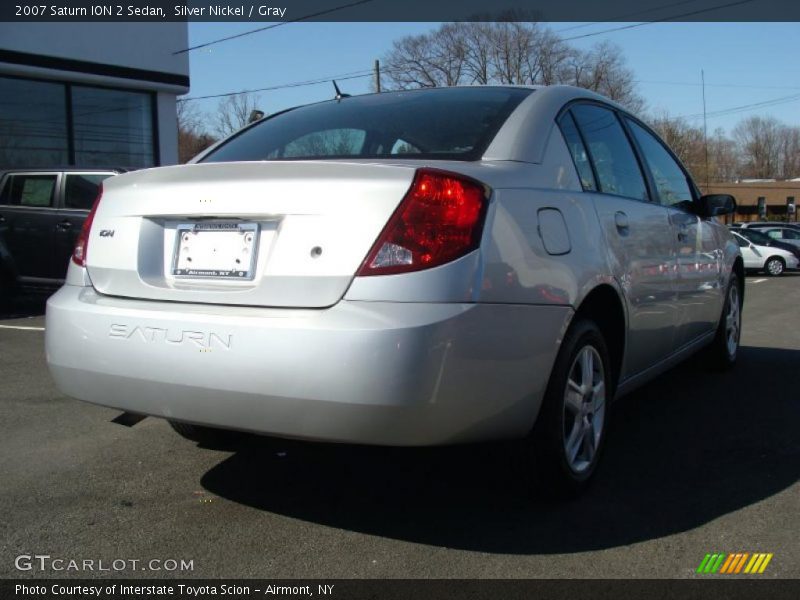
(789, 152)
(688, 143)
(192, 136)
(724, 157)
(759, 143)
(233, 113)
(511, 51)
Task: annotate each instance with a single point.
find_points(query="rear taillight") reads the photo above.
(82, 244)
(440, 219)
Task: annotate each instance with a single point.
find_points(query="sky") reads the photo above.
(744, 63)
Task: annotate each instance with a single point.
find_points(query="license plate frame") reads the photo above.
(191, 237)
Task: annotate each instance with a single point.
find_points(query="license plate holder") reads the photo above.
(216, 250)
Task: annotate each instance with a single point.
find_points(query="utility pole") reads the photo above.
(377, 76)
(705, 124)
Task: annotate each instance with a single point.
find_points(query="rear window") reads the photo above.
(443, 123)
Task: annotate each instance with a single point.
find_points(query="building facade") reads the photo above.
(91, 94)
(756, 201)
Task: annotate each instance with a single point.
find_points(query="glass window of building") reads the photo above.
(33, 124)
(112, 127)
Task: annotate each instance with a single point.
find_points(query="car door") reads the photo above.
(751, 257)
(78, 193)
(28, 216)
(697, 248)
(637, 233)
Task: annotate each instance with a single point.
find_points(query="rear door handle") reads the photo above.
(64, 225)
(621, 221)
(2, 219)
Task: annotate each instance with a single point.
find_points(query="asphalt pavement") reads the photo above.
(696, 462)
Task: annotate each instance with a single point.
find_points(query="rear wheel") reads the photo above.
(774, 266)
(724, 349)
(567, 440)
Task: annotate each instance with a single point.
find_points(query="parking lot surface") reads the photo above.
(696, 462)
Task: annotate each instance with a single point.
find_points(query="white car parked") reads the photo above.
(773, 261)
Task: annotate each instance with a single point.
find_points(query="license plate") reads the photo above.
(216, 250)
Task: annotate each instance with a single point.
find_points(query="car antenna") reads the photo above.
(339, 94)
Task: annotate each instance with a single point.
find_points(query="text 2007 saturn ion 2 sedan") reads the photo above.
(407, 268)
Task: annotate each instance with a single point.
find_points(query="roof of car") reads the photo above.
(71, 169)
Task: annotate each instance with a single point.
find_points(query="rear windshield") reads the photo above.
(441, 123)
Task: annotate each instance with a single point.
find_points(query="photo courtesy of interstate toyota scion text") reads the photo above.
(425, 267)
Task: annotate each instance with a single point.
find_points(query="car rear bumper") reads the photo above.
(360, 372)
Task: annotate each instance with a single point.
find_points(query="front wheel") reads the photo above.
(567, 440)
(774, 266)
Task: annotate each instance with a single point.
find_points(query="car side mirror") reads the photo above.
(716, 205)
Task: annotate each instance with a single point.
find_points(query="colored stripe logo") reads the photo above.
(738, 562)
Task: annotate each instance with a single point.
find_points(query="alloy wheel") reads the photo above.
(775, 267)
(733, 321)
(584, 409)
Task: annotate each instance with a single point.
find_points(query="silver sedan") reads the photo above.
(407, 268)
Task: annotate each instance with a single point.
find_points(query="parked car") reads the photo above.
(758, 237)
(41, 213)
(773, 261)
(407, 268)
(768, 224)
(784, 234)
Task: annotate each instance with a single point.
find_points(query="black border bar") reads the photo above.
(399, 10)
(747, 587)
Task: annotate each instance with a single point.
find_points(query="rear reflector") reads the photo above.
(439, 220)
(82, 244)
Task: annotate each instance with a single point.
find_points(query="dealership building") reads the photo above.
(91, 94)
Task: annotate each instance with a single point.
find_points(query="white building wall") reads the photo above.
(167, 128)
(149, 46)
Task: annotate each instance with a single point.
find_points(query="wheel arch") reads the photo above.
(605, 307)
(738, 269)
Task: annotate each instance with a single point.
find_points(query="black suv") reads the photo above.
(41, 214)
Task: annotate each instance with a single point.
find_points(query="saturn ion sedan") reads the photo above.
(410, 268)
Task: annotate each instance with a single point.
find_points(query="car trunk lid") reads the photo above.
(176, 233)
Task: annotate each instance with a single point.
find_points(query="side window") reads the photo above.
(80, 191)
(5, 192)
(31, 190)
(791, 234)
(671, 182)
(743, 243)
(775, 234)
(578, 151)
(615, 163)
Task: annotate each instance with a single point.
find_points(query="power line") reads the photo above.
(745, 107)
(627, 16)
(273, 26)
(725, 85)
(343, 77)
(662, 20)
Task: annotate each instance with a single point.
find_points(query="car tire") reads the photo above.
(774, 266)
(723, 351)
(566, 444)
(205, 436)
